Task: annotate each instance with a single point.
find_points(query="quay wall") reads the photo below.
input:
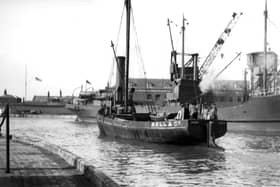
(95, 175)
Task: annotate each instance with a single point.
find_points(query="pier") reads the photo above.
(32, 166)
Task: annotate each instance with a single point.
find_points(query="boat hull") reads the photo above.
(257, 109)
(168, 132)
(85, 113)
(39, 108)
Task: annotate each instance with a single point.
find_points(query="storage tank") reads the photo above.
(256, 64)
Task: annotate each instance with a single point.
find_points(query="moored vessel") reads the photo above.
(87, 104)
(261, 101)
(43, 105)
(119, 119)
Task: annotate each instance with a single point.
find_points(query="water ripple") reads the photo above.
(248, 159)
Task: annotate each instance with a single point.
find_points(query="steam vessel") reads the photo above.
(119, 119)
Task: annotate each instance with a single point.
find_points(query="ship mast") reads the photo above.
(128, 8)
(183, 48)
(265, 49)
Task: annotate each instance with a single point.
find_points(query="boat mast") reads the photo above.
(265, 49)
(128, 8)
(183, 48)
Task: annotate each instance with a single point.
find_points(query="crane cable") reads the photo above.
(228, 65)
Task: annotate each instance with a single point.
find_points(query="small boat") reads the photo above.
(119, 119)
(87, 105)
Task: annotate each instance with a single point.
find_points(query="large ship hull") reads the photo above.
(256, 109)
(181, 132)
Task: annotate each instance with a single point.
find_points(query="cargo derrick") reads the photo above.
(187, 77)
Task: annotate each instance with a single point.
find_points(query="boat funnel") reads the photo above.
(120, 77)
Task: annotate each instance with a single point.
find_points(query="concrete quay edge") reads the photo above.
(95, 175)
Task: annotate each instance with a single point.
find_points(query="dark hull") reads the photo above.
(257, 109)
(168, 132)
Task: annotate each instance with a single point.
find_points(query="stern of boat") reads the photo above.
(204, 130)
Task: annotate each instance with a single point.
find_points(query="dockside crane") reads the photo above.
(218, 45)
(173, 67)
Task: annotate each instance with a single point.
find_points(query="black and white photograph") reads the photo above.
(109, 93)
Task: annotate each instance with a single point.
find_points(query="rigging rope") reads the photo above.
(139, 54)
(273, 24)
(116, 49)
(137, 45)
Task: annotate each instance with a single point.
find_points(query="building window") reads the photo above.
(157, 97)
(239, 99)
(150, 84)
(149, 97)
(132, 84)
(230, 99)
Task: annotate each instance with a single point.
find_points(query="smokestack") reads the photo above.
(195, 68)
(60, 93)
(120, 77)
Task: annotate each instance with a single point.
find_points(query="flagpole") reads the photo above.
(25, 90)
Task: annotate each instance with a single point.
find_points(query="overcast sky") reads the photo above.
(66, 42)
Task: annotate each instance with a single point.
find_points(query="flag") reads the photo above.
(88, 82)
(38, 79)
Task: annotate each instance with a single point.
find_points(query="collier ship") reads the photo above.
(258, 100)
(183, 86)
(119, 118)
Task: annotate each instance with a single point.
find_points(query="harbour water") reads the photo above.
(248, 159)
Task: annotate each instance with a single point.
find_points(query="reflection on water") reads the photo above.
(248, 159)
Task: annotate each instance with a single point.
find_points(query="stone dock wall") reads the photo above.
(95, 175)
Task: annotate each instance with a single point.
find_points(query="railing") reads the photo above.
(5, 116)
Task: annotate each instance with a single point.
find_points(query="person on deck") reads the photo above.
(205, 112)
(186, 111)
(193, 111)
(213, 112)
(183, 113)
(130, 101)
